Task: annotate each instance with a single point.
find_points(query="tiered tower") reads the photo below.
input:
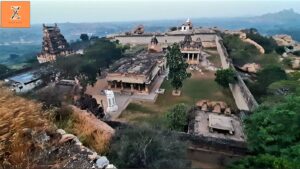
(54, 44)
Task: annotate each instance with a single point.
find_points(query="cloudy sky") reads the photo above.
(130, 10)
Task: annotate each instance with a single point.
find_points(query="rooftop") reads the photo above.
(141, 64)
(205, 120)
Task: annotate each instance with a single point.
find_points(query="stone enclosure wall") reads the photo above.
(207, 39)
(247, 95)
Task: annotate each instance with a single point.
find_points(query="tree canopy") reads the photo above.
(269, 75)
(268, 43)
(273, 135)
(84, 37)
(97, 55)
(142, 147)
(177, 66)
(225, 76)
(3, 69)
(177, 117)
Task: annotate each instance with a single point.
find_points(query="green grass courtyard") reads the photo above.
(196, 88)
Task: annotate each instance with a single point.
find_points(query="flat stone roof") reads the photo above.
(220, 122)
(138, 65)
(204, 120)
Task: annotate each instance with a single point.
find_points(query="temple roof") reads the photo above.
(187, 23)
(154, 40)
(189, 43)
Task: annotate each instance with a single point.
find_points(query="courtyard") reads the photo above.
(199, 86)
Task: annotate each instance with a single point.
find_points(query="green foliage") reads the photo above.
(291, 85)
(287, 62)
(225, 76)
(98, 55)
(177, 117)
(84, 37)
(294, 76)
(173, 28)
(147, 148)
(4, 69)
(177, 66)
(273, 134)
(272, 129)
(262, 162)
(239, 51)
(268, 43)
(269, 75)
(297, 53)
(265, 77)
(280, 50)
(103, 52)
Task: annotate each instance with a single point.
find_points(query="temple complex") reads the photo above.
(140, 37)
(187, 26)
(191, 50)
(54, 44)
(139, 73)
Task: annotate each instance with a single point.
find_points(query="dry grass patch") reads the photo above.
(18, 117)
(91, 131)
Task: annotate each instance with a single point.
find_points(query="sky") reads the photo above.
(50, 11)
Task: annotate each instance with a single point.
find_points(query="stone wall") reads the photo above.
(207, 39)
(247, 95)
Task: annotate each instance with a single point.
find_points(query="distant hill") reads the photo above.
(284, 16)
(283, 22)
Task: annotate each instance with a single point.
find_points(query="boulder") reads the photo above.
(102, 162)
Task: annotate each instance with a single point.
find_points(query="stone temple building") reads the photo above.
(187, 26)
(54, 44)
(137, 74)
(191, 50)
(207, 36)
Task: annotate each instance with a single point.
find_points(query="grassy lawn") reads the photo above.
(194, 89)
(214, 57)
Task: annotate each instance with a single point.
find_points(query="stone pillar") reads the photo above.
(109, 85)
(146, 89)
(122, 85)
(188, 58)
(139, 86)
(131, 87)
(198, 57)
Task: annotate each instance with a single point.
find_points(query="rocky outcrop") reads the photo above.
(28, 139)
(284, 40)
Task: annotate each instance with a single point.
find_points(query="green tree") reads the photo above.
(3, 69)
(288, 62)
(142, 147)
(177, 66)
(268, 43)
(273, 136)
(224, 77)
(84, 37)
(262, 162)
(98, 55)
(280, 50)
(240, 52)
(269, 75)
(177, 117)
